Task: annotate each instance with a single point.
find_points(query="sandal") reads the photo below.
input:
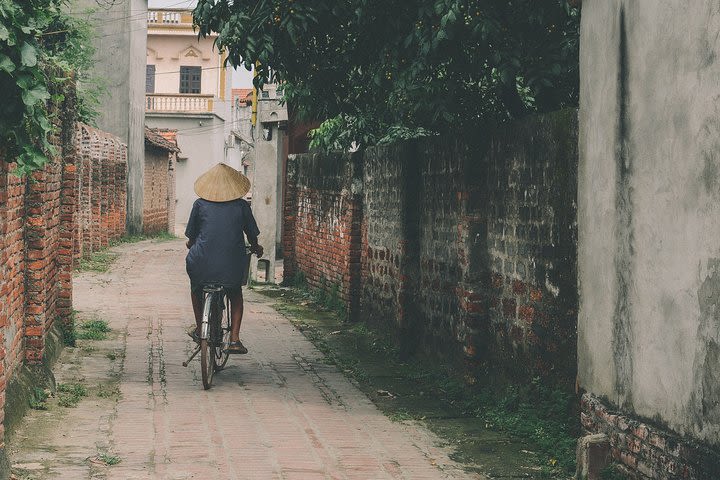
(192, 332)
(236, 347)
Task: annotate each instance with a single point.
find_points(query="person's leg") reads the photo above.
(197, 303)
(236, 314)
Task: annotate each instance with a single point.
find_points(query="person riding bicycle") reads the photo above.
(219, 221)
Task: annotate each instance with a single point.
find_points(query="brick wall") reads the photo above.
(389, 238)
(645, 450)
(531, 241)
(466, 252)
(324, 209)
(100, 176)
(12, 273)
(156, 209)
(43, 220)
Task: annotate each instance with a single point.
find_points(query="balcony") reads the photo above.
(178, 103)
(169, 17)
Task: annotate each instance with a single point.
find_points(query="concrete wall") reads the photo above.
(649, 211)
(266, 191)
(120, 64)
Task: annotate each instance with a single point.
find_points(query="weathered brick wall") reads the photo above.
(645, 450)
(41, 234)
(324, 207)
(531, 239)
(467, 253)
(101, 189)
(171, 194)
(156, 190)
(389, 238)
(12, 270)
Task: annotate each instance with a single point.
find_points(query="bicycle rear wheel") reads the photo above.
(207, 354)
(221, 353)
(207, 363)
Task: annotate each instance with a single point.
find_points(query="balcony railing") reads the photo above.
(178, 102)
(169, 17)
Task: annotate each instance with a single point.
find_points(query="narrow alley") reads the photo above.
(277, 413)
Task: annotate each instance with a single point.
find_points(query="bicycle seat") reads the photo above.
(212, 287)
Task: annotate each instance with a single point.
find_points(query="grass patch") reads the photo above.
(70, 394)
(99, 262)
(68, 329)
(612, 472)
(92, 330)
(160, 237)
(530, 427)
(38, 399)
(107, 391)
(108, 459)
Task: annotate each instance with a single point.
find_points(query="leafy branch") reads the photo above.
(29, 62)
(374, 65)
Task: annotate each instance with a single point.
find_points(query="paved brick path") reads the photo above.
(277, 413)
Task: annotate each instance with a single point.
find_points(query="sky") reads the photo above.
(241, 77)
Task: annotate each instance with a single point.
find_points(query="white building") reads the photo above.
(188, 88)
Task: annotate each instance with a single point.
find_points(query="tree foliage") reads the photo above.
(35, 35)
(432, 64)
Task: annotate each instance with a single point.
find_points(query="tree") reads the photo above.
(382, 68)
(40, 47)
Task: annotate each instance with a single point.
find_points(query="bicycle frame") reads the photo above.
(205, 327)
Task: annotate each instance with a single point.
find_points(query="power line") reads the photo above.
(135, 16)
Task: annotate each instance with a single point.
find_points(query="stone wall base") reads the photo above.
(21, 389)
(646, 451)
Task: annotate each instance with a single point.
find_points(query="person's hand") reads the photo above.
(188, 244)
(257, 250)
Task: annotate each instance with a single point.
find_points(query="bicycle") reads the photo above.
(214, 331)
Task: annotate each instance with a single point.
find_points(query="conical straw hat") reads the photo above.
(222, 184)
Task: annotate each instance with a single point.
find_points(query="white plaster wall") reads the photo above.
(169, 52)
(653, 348)
(201, 148)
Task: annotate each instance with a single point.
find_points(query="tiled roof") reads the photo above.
(161, 138)
(243, 94)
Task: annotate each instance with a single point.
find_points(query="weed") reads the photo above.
(612, 472)
(108, 459)
(97, 262)
(67, 328)
(107, 391)
(92, 330)
(400, 415)
(70, 394)
(111, 355)
(159, 236)
(297, 281)
(38, 399)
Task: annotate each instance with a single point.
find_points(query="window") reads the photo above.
(190, 79)
(150, 79)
